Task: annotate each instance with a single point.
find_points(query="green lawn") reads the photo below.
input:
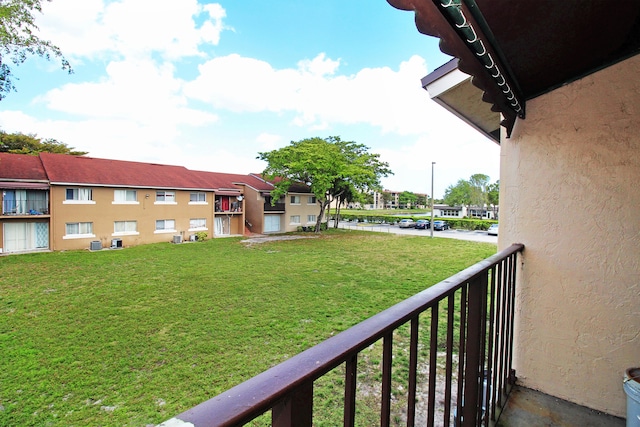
(135, 336)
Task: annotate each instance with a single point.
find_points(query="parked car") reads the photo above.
(493, 230)
(422, 224)
(440, 225)
(406, 223)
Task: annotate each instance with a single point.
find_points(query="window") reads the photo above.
(125, 196)
(198, 197)
(197, 224)
(165, 196)
(79, 195)
(125, 227)
(311, 218)
(165, 225)
(311, 200)
(77, 230)
(295, 219)
(295, 200)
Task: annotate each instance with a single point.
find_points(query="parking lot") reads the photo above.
(476, 236)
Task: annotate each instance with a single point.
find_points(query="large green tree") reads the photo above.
(18, 40)
(458, 194)
(407, 198)
(330, 167)
(479, 183)
(19, 143)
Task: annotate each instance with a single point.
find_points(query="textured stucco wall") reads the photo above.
(570, 178)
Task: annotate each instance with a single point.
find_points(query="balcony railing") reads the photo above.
(278, 207)
(25, 206)
(468, 343)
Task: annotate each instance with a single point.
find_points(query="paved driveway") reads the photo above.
(476, 236)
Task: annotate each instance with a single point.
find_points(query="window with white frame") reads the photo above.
(78, 195)
(165, 225)
(197, 224)
(78, 230)
(295, 219)
(165, 196)
(311, 218)
(198, 197)
(121, 228)
(125, 196)
(311, 200)
(295, 200)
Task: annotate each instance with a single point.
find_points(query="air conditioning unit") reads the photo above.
(95, 245)
(193, 238)
(116, 243)
(177, 239)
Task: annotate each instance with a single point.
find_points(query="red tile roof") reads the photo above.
(82, 170)
(295, 187)
(63, 168)
(21, 167)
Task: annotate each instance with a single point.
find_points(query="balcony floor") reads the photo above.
(527, 407)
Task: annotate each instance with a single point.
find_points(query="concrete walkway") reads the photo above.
(530, 408)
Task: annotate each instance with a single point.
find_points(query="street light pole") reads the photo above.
(431, 223)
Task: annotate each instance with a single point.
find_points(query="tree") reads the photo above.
(386, 199)
(493, 197)
(330, 167)
(18, 41)
(19, 143)
(479, 183)
(407, 198)
(458, 194)
(421, 200)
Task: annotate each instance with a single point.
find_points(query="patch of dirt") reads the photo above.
(263, 239)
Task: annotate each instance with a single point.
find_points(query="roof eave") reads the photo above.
(453, 90)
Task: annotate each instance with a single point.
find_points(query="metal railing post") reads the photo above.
(295, 410)
(472, 372)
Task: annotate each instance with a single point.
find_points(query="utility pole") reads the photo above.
(431, 223)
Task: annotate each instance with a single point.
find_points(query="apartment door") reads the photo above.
(25, 236)
(222, 226)
(271, 223)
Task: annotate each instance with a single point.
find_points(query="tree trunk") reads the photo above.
(337, 217)
(323, 207)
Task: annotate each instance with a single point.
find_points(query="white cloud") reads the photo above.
(317, 95)
(269, 141)
(131, 28)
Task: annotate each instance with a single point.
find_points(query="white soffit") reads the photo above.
(455, 92)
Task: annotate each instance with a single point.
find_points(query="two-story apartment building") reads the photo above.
(63, 202)
(298, 208)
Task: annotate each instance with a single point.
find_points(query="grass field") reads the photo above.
(135, 336)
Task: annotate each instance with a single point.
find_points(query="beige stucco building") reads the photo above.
(63, 202)
(299, 208)
(568, 123)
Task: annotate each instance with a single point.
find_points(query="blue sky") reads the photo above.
(209, 85)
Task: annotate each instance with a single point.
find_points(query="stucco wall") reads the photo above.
(103, 212)
(570, 191)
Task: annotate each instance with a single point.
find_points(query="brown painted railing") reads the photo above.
(278, 207)
(474, 344)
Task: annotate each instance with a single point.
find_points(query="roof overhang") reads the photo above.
(22, 185)
(453, 90)
(518, 50)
